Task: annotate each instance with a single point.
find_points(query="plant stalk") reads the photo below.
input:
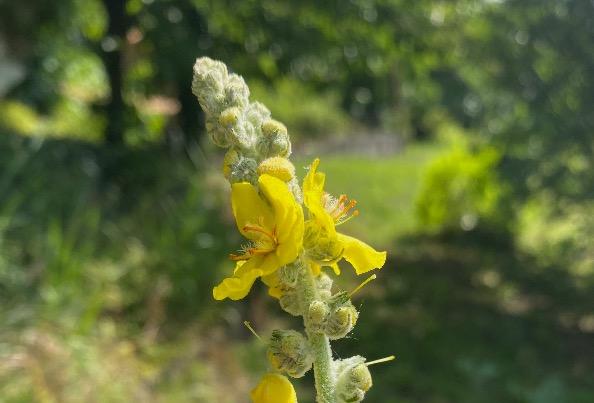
(319, 342)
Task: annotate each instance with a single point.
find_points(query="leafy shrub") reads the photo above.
(461, 188)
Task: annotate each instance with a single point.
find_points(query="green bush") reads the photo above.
(461, 189)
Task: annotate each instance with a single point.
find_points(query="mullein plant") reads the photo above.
(286, 247)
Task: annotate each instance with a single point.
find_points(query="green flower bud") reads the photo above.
(274, 140)
(256, 113)
(208, 84)
(289, 352)
(231, 158)
(290, 302)
(342, 317)
(217, 133)
(230, 117)
(237, 92)
(324, 286)
(319, 245)
(354, 379)
(317, 316)
(289, 275)
(243, 170)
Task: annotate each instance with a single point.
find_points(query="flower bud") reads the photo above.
(278, 167)
(319, 245)
(342, 317)
(208, 84)
(354, 379)
(231, 158)
(317, 316)
(289, 352)
(256, 113)
(274, 140)
(218, 134)
(288, 275)
(290, 302)
(243, 136)
(243, 170)
(237, 92)
(230, 117)
(324, 286)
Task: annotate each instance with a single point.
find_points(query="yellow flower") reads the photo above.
(274, 388)
(273, 222)
(324, 245)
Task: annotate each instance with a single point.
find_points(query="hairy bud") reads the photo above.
(278, 167)
(290, 302)
(243, 170)
(317, 316)
(237, 92)
(274, 140)
(354, 379)
(324, 286)
(218, 134)
(231, 159)
(319, 245)
(289, 352)
(208, 84)
(342, 317)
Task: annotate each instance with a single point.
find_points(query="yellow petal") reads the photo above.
(362, 256)
(314, 181)
(313, 191)
(237, 286)
(288, 218)
(249, 208)
(273, 283)
(274, 388)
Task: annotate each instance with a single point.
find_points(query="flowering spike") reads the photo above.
(285, 250)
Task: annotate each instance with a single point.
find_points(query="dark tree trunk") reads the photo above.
(112, 59)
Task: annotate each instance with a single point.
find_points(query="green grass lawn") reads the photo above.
(384, 187)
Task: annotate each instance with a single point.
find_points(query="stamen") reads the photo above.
(341, 210)
(249, 326)
(258, 247)
(259, 229)
(363, 284)
(390, 358)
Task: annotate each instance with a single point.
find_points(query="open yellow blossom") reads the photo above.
(273, 222)
(274, 388)
(324, 245)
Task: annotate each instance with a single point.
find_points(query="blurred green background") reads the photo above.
(464, 128)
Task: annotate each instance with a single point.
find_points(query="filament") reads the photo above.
(386, 359)
(363, 284)
(251, 329)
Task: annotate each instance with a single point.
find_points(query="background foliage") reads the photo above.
(464, 129)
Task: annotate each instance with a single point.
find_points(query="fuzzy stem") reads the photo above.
(319, 342)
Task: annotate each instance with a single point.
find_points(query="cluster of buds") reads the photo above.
(256, 143)
(335, 316)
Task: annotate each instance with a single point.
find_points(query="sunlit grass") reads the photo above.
(384, 187)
